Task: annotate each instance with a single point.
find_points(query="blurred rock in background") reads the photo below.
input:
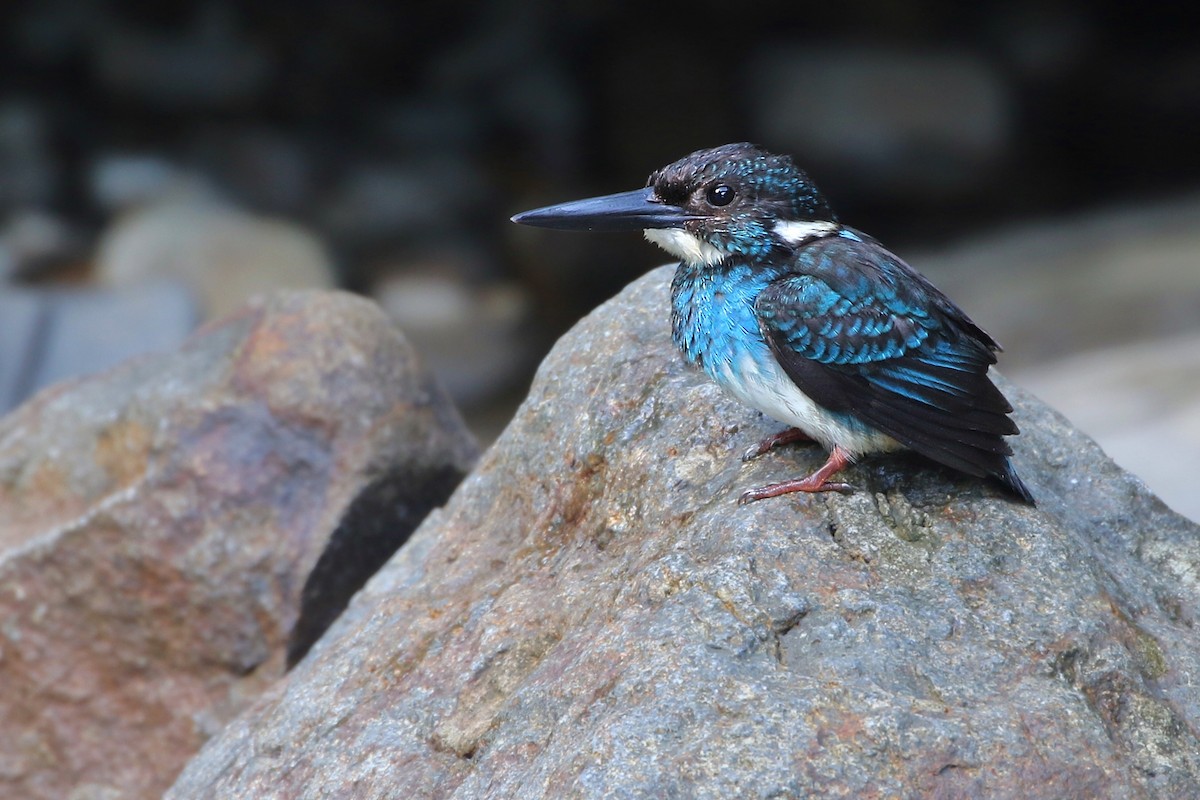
(222, 255)
(1142, 402)
(50, 335)
(381, 147)
(1100, 317)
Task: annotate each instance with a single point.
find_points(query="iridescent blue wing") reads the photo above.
(861, 332)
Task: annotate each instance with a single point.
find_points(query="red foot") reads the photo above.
(783, 437)
(839, 459)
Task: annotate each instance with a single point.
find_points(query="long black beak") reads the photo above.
(627, 211)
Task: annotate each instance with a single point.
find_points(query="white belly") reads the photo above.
(765, 386)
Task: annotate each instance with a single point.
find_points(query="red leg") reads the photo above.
(783, 437)
(839, 459)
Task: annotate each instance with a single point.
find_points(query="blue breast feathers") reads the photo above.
(713, 320)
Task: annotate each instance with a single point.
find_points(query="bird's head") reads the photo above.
(736, 199)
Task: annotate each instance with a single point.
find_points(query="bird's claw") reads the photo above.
(753, 452)
(771, 442)
(777, 489)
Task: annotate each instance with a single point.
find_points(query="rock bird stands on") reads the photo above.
(811, 322)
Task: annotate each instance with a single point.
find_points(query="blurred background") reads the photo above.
(158, 163)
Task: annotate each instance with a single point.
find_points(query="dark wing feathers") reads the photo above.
(861, 332)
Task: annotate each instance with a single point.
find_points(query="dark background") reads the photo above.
(404, 134)
(488, 108)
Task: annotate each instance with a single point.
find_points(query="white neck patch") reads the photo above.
(798, 232)
(687, 247)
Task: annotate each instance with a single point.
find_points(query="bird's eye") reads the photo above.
(720, 195)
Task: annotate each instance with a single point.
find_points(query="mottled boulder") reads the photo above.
(158, 523)
(592, 615)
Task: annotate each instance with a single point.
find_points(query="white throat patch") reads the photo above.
(687, 247)
(797, 232)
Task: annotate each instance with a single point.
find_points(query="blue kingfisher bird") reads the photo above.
(811, 322)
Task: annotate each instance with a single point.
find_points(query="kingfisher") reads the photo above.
(812, 322)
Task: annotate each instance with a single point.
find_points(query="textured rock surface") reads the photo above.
(158, 521)
(592, 616)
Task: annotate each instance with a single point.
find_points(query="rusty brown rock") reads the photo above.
(158, 522)
(593, 616)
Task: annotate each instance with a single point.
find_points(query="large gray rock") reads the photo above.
(592, 616)
(160, 524)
